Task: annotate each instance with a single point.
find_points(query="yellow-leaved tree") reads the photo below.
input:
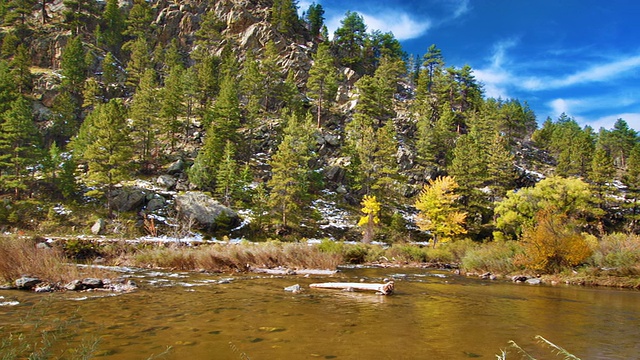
(371, 209)
(439, 213)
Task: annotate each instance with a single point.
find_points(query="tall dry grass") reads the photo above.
(222, 257)
(21, 257)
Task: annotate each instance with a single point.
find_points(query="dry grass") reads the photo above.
(220, 257)
(20, 257)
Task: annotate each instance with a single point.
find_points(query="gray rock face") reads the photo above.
(156, 203)
(99, 227)
(175, 167)
(166, 182)
(92, 283)
(127, 199)
(533, 281)
(27, 283)
(203, 209)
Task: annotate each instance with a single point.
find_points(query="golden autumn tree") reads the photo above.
(553, 243)
(371, 209)
(439, 213)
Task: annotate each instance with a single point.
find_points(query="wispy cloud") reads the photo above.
(461, 8)
(402, 25)
(496, 77)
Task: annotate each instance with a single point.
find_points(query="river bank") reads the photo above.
(48, 258)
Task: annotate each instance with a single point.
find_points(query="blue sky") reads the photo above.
(581, 57)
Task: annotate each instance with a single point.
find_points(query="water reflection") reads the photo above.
(432, 315)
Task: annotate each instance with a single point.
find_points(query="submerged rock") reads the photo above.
(293, 288)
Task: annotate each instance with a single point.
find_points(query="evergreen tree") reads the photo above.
(73, 66)
(631, 179)
(110, 149)
(322, 83)
(315, 19)
(64, 121)
(361, 147)
(251, 85)
(433, 63)
(61, 173)
(144, 116)
(20, 71)
(19, 147)
(210, 31)
(139, 20)
(113, 26)
(619, 142)
(438, 213)
(385, 165)
(228, 175)
(92, 94)
(8, 90)
(172, 107)
(272, 75)
(138, 63)
(207, 68)
(77, 14)
(289, 181)
(602, 173)
(348, 41)
(18, 12)
(284, 15)
(501, 173)
(110, 75)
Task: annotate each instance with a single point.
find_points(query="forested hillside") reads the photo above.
(116, 109)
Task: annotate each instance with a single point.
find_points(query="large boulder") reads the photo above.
(127, 199)
(205, 211)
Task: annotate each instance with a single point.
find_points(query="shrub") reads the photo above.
(620, 251)
(497, 257)
(407, 253)
(553, 244)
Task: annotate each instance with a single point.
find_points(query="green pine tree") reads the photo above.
(19, 147)
(322, 83)
(73, 66)
(109, 152)
(144, 116)
(172, 107)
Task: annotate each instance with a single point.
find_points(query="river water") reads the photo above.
(432, 315)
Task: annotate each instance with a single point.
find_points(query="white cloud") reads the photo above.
(461, 8)
(607, 122)
(401, 25)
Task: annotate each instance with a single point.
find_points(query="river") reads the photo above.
(432, 315)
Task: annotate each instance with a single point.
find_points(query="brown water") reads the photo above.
(433, 315)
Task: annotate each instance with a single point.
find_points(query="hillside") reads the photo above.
(240, 119)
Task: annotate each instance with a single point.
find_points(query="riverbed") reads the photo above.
(432, 315)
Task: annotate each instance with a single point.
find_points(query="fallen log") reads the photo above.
(384, 289)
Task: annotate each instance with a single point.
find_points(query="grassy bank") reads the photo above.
(614, 259)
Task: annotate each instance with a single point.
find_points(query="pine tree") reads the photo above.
(631, 179)
(227, 175)
(438, 213)
(110, 75)
(501, 173)
(251, 85)
(322, 83)
(385, 165)
(8, 90)
(73, 66)
(61, 173)
(138, 63)
(284, 15)
(110, 150)
(144, 116)
(19, 147)
(602, 173)
(172, 107)
(289, 181)
(64, 121)
(315, 19)
(272, 75)
(20, 71)
(113, 26)
(92, 94)
(139, 20)
(433, 63)
(77, 14)
(348, 41)
(361, 147)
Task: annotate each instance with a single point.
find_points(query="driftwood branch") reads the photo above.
(384, 289)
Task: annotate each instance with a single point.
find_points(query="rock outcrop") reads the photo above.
(206, 212)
